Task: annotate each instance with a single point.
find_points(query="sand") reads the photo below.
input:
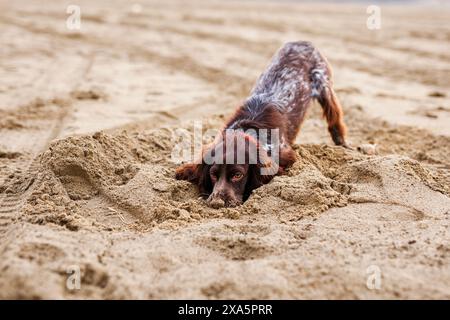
(86, 132)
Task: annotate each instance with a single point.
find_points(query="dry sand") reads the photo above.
(86, 181)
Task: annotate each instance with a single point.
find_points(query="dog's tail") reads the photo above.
(322, 90)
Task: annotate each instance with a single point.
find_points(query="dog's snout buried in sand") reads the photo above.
(255, 144)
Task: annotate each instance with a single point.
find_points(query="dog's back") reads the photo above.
(297, 74)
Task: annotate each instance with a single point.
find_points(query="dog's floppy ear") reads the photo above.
(197, 174)
(204, 182)
(255, 179)
(189, 172)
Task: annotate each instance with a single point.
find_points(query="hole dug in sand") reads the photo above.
(108, 181)
(122, 181)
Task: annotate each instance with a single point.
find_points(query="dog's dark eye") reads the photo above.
(237, 176)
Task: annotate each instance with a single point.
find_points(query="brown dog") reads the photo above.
(277, 106)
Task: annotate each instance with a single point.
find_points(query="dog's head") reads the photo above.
(232, 167)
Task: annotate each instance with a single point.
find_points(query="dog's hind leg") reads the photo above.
(322, 90)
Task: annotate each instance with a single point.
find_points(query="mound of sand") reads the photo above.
(78, 174)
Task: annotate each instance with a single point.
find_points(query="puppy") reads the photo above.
(245, 156)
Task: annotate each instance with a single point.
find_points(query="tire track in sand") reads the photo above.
(12, 199)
